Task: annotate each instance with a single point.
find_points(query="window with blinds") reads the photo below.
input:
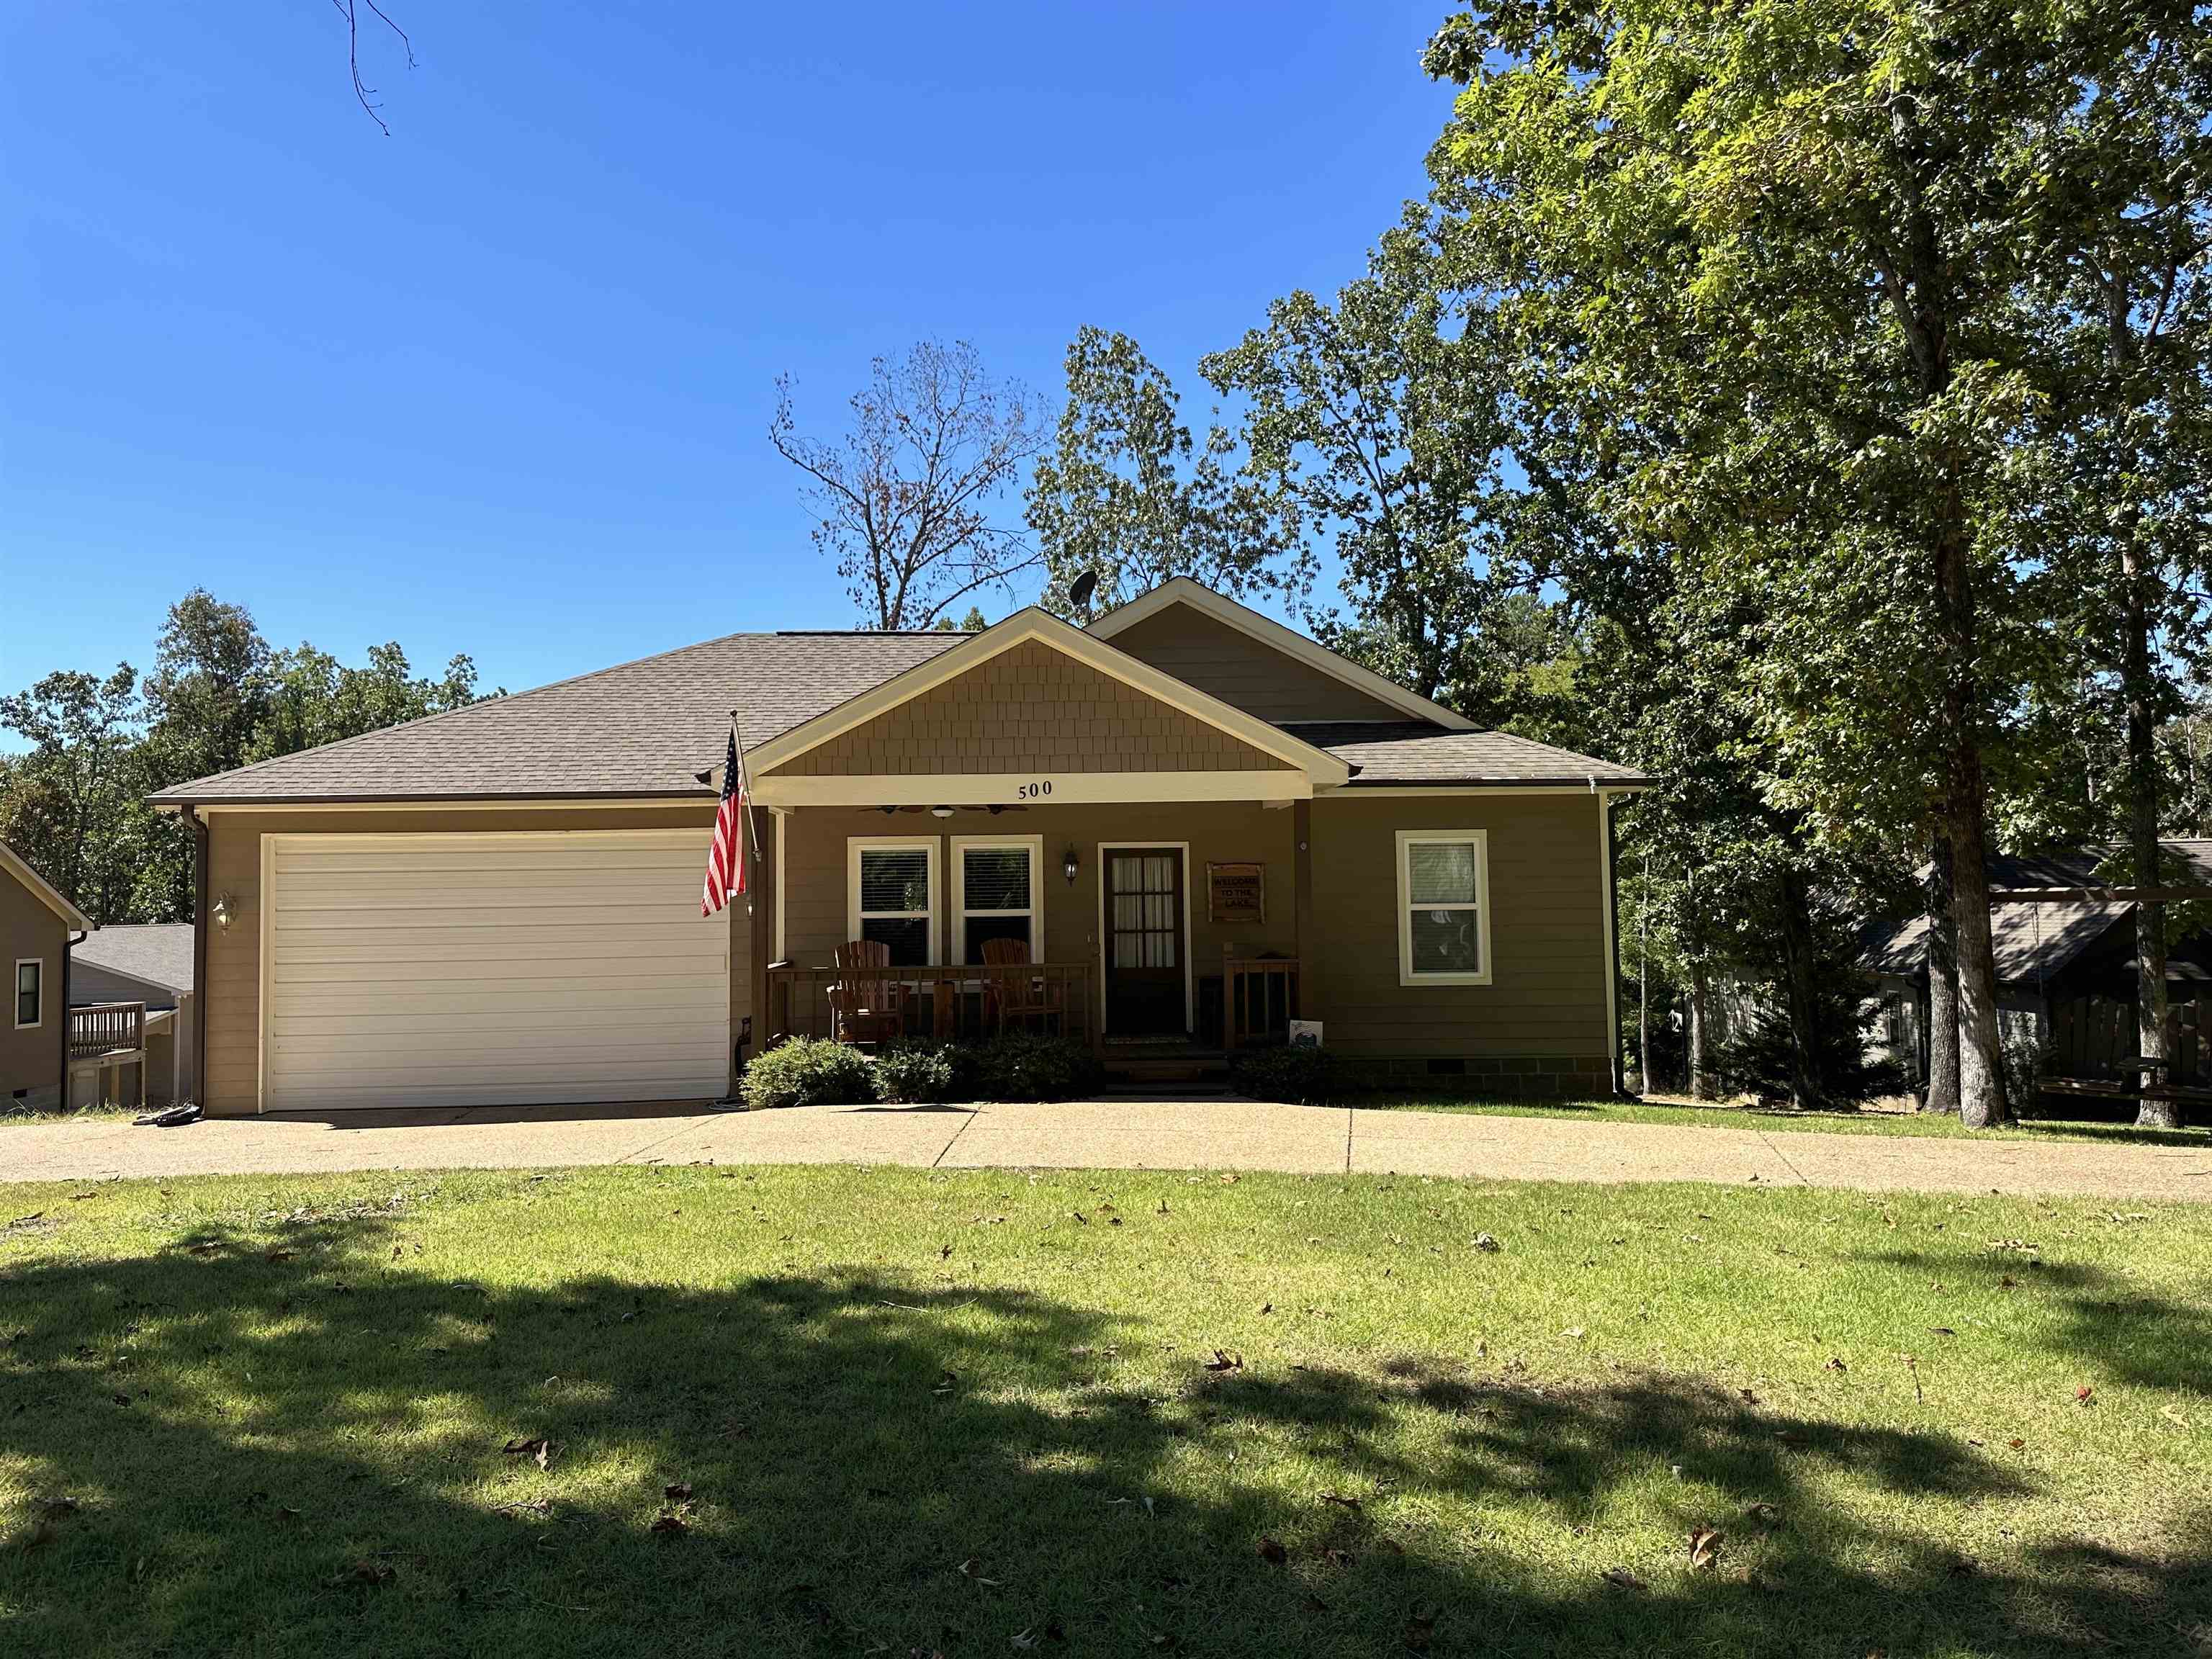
(893, 898)
(997, 888)
(1443, 907)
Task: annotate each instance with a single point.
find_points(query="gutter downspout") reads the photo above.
(199, 956)
(69, 943)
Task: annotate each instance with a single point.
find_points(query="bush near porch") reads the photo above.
(1017, 1065)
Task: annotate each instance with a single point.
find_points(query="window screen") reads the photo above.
(1442, 896)
(895, 901)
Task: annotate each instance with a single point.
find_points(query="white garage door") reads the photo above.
(493, 968)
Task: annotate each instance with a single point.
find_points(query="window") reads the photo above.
(994, 892)
(30, 992)
(892, 896)
(1444, 906)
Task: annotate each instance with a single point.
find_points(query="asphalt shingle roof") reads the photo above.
(159, 953)
(1411, 752)
(645, 728)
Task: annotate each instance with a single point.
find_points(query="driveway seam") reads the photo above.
(942, 1150)
(1348, 1121)
(1783, 1157)
(690, 1124)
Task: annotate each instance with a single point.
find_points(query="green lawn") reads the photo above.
(1090, 1413)
(1875, 1120)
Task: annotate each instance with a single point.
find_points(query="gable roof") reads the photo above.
(42, 890)
(1415, 754)
(1033, 624)
(1181, 590)
(643, 729)
(159, 953)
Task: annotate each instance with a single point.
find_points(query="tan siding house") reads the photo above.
(1175, 831)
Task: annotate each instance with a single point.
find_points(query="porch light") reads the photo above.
(940, 811)
(1068, 866)
(222, 911)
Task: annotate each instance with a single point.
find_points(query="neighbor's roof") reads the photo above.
(159, 953)
(40, 889)
(645, 728)
(2028, 941)
(1411, 752)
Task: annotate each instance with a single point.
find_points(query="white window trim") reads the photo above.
(15, 992)
(856, 844)
(960, 912)
(1409, 838)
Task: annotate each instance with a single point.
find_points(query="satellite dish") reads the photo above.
(1080, 590)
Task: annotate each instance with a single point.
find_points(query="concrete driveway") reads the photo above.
(1214, 1134)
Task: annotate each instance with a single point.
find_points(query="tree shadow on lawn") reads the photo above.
(878, 1467)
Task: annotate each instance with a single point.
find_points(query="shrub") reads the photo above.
(1302, 1076)
(1028, 1065)
(809, 1071)
(915, 1074)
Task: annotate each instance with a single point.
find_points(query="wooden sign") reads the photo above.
(1236, 892)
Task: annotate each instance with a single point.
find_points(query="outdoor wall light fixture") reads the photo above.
(940, 811)
(222, 911)
(1068, 866)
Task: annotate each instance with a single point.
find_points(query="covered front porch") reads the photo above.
(1149, 931)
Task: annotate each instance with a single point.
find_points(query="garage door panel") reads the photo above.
(492, 968)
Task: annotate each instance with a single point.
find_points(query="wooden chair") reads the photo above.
(864, 1003)
(1019, 998)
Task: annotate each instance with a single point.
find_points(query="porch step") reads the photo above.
(1185, 1066)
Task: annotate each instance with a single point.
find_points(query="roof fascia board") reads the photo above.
(1181, 590)
(1373, 791)
(1005, 788)
(42, 890)
(447, 804)
(1028, 623)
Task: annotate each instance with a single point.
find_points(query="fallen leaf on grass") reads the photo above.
(1704, 1547)
(1487, 1244)
(1766, 1514)
(362, 1572)
(678, 1492)
(669, 1522)
(2083, 1395)
(538, 1450)
(1337, 1558)
(1837, 1365)
(946, 1383)
(2017, 1443)
(1624, 1578)
(278, 1255)
(1340, 1500)
(532, 1505)
(1271, 1551)
(1226, 1362)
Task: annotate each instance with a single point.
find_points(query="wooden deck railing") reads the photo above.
(947, 1003)
(106, 1028)
(1259, 998)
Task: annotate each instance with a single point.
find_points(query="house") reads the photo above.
(1194, 823)
(150, 966)
(36, 923)
(2065, 965)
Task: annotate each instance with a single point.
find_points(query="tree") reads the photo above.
(1128, 495)
(902, 497)
(1379, 424)
(315, 699)
(72, 806)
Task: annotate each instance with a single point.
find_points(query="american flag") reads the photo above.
(726, 863)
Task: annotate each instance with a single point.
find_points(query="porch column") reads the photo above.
(1302, 923)
(760, 940)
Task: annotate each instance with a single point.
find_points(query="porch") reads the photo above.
(104, 1039)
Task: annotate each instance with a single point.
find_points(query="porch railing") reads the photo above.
(948, 1003)
(106, 1028)
(1259, 998)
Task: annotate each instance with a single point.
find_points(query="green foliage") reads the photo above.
(1026, 1065)
(915, 1074)
(1760, 1059)
(1128, 496)
(1304, 1076)
(808, 1072)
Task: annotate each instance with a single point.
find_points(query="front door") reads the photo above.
(1144, 941)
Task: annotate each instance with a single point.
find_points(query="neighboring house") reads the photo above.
(1195, 822)
(151, 966)
(36, 923)
(2066, 969)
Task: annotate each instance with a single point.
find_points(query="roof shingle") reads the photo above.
(1415, 753)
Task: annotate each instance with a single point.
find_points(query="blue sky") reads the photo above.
(500, 382)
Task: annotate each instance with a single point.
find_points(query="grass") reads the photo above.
(1880, 1118)
(904, 1411)
(15, 1112)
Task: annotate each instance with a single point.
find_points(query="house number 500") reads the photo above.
(1035, 791)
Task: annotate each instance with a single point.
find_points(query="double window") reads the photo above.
(893, 895)
(30, 991)
(1444, 906)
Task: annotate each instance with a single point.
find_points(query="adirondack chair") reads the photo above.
(1016, 999)
(865, 1000)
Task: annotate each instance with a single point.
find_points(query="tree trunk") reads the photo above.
(1808, 1087)
(1943, 1094)
(1701, 1069)
(2136, 687)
